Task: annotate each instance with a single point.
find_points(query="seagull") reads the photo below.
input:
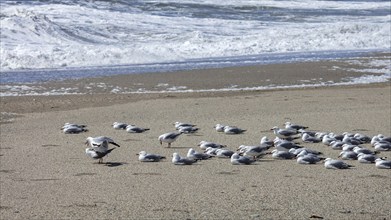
(178, 160)
(284, 145)
(307, 159)
(100, 143)
(67, 124)
(380, 138)
(233, 130)
(73, 129)
(168, 138)
(336, 164)
(145, 157)
(211, 151)
(336, 145)
(348, 147)
(351, 140)
(382, 146)
(188, 129)
(70, 128)
(289, 125)
(236, 159)
(253, 151)
(348, 155)
(283, 155)
(192, 154)
(359, 149)
(363, 138)
(119, 125)
(135, 129)
(327, 139)
(265, 141)
(182, 124)
(297, 151)
(310, 139)
(284, 133)
(224, 153)
(383, 164)
(219, 127)
(205, 144)
(366, 158)
(97, 155)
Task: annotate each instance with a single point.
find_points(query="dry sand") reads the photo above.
(46, 175)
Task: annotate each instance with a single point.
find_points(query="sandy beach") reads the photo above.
(45, 173)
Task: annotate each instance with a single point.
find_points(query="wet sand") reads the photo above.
(46, 175)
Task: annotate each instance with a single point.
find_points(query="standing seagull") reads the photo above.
(97, 155)
(168, 138)
(100, 143)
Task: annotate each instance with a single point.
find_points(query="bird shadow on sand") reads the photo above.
(114, 164)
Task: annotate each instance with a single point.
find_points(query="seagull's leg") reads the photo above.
(169, 145)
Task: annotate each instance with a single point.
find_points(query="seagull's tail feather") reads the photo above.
(113, 143)
(109, 150)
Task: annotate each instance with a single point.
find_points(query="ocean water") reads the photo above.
(61, 39)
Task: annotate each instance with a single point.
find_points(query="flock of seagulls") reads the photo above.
(283, 147)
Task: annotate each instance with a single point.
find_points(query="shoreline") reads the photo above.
(32, 104)
(349, 71)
